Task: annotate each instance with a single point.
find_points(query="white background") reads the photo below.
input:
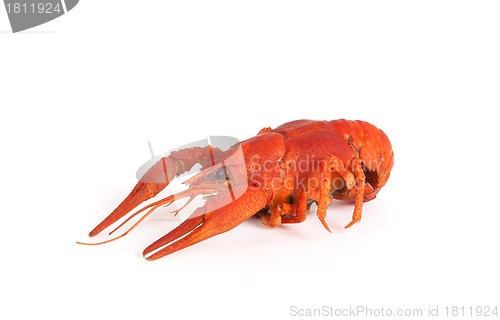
(80, 97)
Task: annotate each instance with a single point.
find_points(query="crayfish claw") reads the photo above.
(208, 224)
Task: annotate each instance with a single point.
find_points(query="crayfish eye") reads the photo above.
(220, 174)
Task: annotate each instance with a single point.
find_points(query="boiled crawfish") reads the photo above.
(277, 175)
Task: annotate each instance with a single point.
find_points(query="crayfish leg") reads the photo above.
(300, 210)
(264, 130)
(324, 195)
(287, 212)
(360, 191)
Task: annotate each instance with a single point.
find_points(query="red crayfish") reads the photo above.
(276, 175)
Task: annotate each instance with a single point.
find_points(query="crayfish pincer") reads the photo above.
(276, 175)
